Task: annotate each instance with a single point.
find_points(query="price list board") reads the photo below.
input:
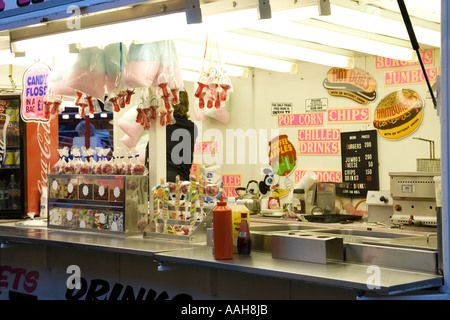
(359, 155)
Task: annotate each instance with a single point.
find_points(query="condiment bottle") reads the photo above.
(244, 242)
(237, 209)
(231, 202)
(299, 201)
(222, 229)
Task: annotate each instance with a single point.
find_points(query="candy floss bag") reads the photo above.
(87, 74)
(142, 65)
(58, 79)
(171, 69)
(213, 87)
(115, 55)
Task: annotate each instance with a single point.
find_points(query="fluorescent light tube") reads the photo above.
(378, 24)
(238, 58)
(267, 47)
(336, 39)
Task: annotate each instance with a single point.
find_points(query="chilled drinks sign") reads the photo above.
(35, 86)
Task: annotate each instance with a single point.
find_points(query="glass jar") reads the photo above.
(299, 201)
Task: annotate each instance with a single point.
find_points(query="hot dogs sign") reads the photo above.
(353, 84)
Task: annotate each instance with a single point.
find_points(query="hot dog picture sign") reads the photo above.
(353, 84)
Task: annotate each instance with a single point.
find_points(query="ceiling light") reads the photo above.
(375, 21)
(260, 43)
(238, 58)
(336, 39)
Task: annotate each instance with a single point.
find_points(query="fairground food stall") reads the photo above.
(323, 117)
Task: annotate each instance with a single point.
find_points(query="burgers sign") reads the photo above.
(399, 114)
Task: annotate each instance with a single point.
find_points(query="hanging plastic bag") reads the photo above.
(127, 123)
(57, 80)
(142, 65)
(170, 71)
(87, 74)
(213, 87)
(115, 55)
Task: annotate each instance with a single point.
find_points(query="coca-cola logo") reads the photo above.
(43, 140)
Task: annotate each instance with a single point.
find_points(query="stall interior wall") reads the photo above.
(242, 143)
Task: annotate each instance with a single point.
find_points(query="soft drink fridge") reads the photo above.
(13, 200)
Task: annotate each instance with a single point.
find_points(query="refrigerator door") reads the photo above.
(12, 173)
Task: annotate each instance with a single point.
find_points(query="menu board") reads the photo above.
(359, 155)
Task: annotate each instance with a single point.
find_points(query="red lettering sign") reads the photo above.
(18, 278)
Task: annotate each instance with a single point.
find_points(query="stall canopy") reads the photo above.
(273, 35)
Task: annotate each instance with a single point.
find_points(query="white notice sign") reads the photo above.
(281, 108)
(316, 105)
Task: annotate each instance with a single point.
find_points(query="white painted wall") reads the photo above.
(250, 108)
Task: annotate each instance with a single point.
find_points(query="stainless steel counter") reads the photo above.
(344, 275)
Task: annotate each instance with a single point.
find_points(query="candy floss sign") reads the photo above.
(34, 90)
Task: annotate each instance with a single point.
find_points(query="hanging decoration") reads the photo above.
(213, 87)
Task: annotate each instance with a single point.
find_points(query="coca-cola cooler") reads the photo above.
(29, 151)
(13, 200)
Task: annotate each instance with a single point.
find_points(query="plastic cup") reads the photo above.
(307, 181)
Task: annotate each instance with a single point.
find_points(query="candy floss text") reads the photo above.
(35, 91)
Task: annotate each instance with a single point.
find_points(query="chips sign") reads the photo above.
(35, 86)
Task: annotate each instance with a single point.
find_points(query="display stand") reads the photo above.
(97, 203)
(198, 230)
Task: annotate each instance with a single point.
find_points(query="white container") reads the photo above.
(307, 181)
(438, 190)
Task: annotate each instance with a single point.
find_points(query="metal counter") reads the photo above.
(339, 274)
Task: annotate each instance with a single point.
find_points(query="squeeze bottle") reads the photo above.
(239, 208)
(222, 229)
(231, 202)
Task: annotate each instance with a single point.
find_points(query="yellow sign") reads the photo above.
(399, 114)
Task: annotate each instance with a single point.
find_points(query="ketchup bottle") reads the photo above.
(222, 231)
(244, 242)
